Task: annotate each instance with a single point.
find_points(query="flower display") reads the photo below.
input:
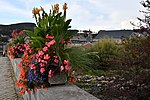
(16, 47)
(46, 53)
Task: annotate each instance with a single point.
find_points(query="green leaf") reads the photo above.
(30, 33)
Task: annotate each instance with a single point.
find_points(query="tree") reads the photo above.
(145, 22)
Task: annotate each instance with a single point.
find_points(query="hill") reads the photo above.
(7, 29)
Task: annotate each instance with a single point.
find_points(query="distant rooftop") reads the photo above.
(114, 33)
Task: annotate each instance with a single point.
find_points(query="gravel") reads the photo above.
(114, 88)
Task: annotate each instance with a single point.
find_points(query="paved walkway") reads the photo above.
(7, 81)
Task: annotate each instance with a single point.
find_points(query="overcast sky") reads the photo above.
(85, 14)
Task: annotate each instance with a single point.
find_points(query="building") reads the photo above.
(116, 35)
(83, 36)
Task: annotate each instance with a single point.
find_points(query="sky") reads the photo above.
(85, 14)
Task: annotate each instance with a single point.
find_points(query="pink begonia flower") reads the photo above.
(45, 62)
(50, 74)
(61, 68)
(56, 61)
(27, 47)
(42, 61)
(66, 62)
(46, 43)
(49, 37)
(46, 57)
(67, 67)
(55, 57)
(32, 66)
(39, 60)
(42, 70)
(37, 56)
(25, 53)
(42, 64)
(45, 49)
(52, 42)
(40, 53)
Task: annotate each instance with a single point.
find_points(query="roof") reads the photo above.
(114, 34)
(75, 38)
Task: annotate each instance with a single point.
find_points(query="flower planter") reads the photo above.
(59, 78)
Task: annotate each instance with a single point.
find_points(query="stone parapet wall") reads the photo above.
(59, 92)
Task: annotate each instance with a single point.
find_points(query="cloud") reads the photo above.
(11, 12)
(85, 14)
(104, 14)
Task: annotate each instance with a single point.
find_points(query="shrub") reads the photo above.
(137, 52)
(104, 54)
(79, 58)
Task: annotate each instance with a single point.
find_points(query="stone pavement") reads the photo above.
(8, 89)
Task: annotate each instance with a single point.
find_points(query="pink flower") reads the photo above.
(42, 61)
(46, 57)
(39, 60)
(45, 62)
(49, 37)
(37, 56)
(20, 33)
(66, 62)
(55, 57)
(42, 70)
(61, 68)
(27, 47)
(32, 66)
(67, 67)
(40, 53)
(56, 61)
(52, 42)
(42, 64)
(47, 43)
(25, 53)
(45, 49)
(50, 74)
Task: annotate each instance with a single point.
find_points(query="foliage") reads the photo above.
(136, 52)
(104, 53)
(79, 58)
(133, 75)
(144, 24)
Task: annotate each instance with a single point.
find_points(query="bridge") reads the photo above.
(8, 90)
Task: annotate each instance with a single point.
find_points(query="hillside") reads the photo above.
(7, 29)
